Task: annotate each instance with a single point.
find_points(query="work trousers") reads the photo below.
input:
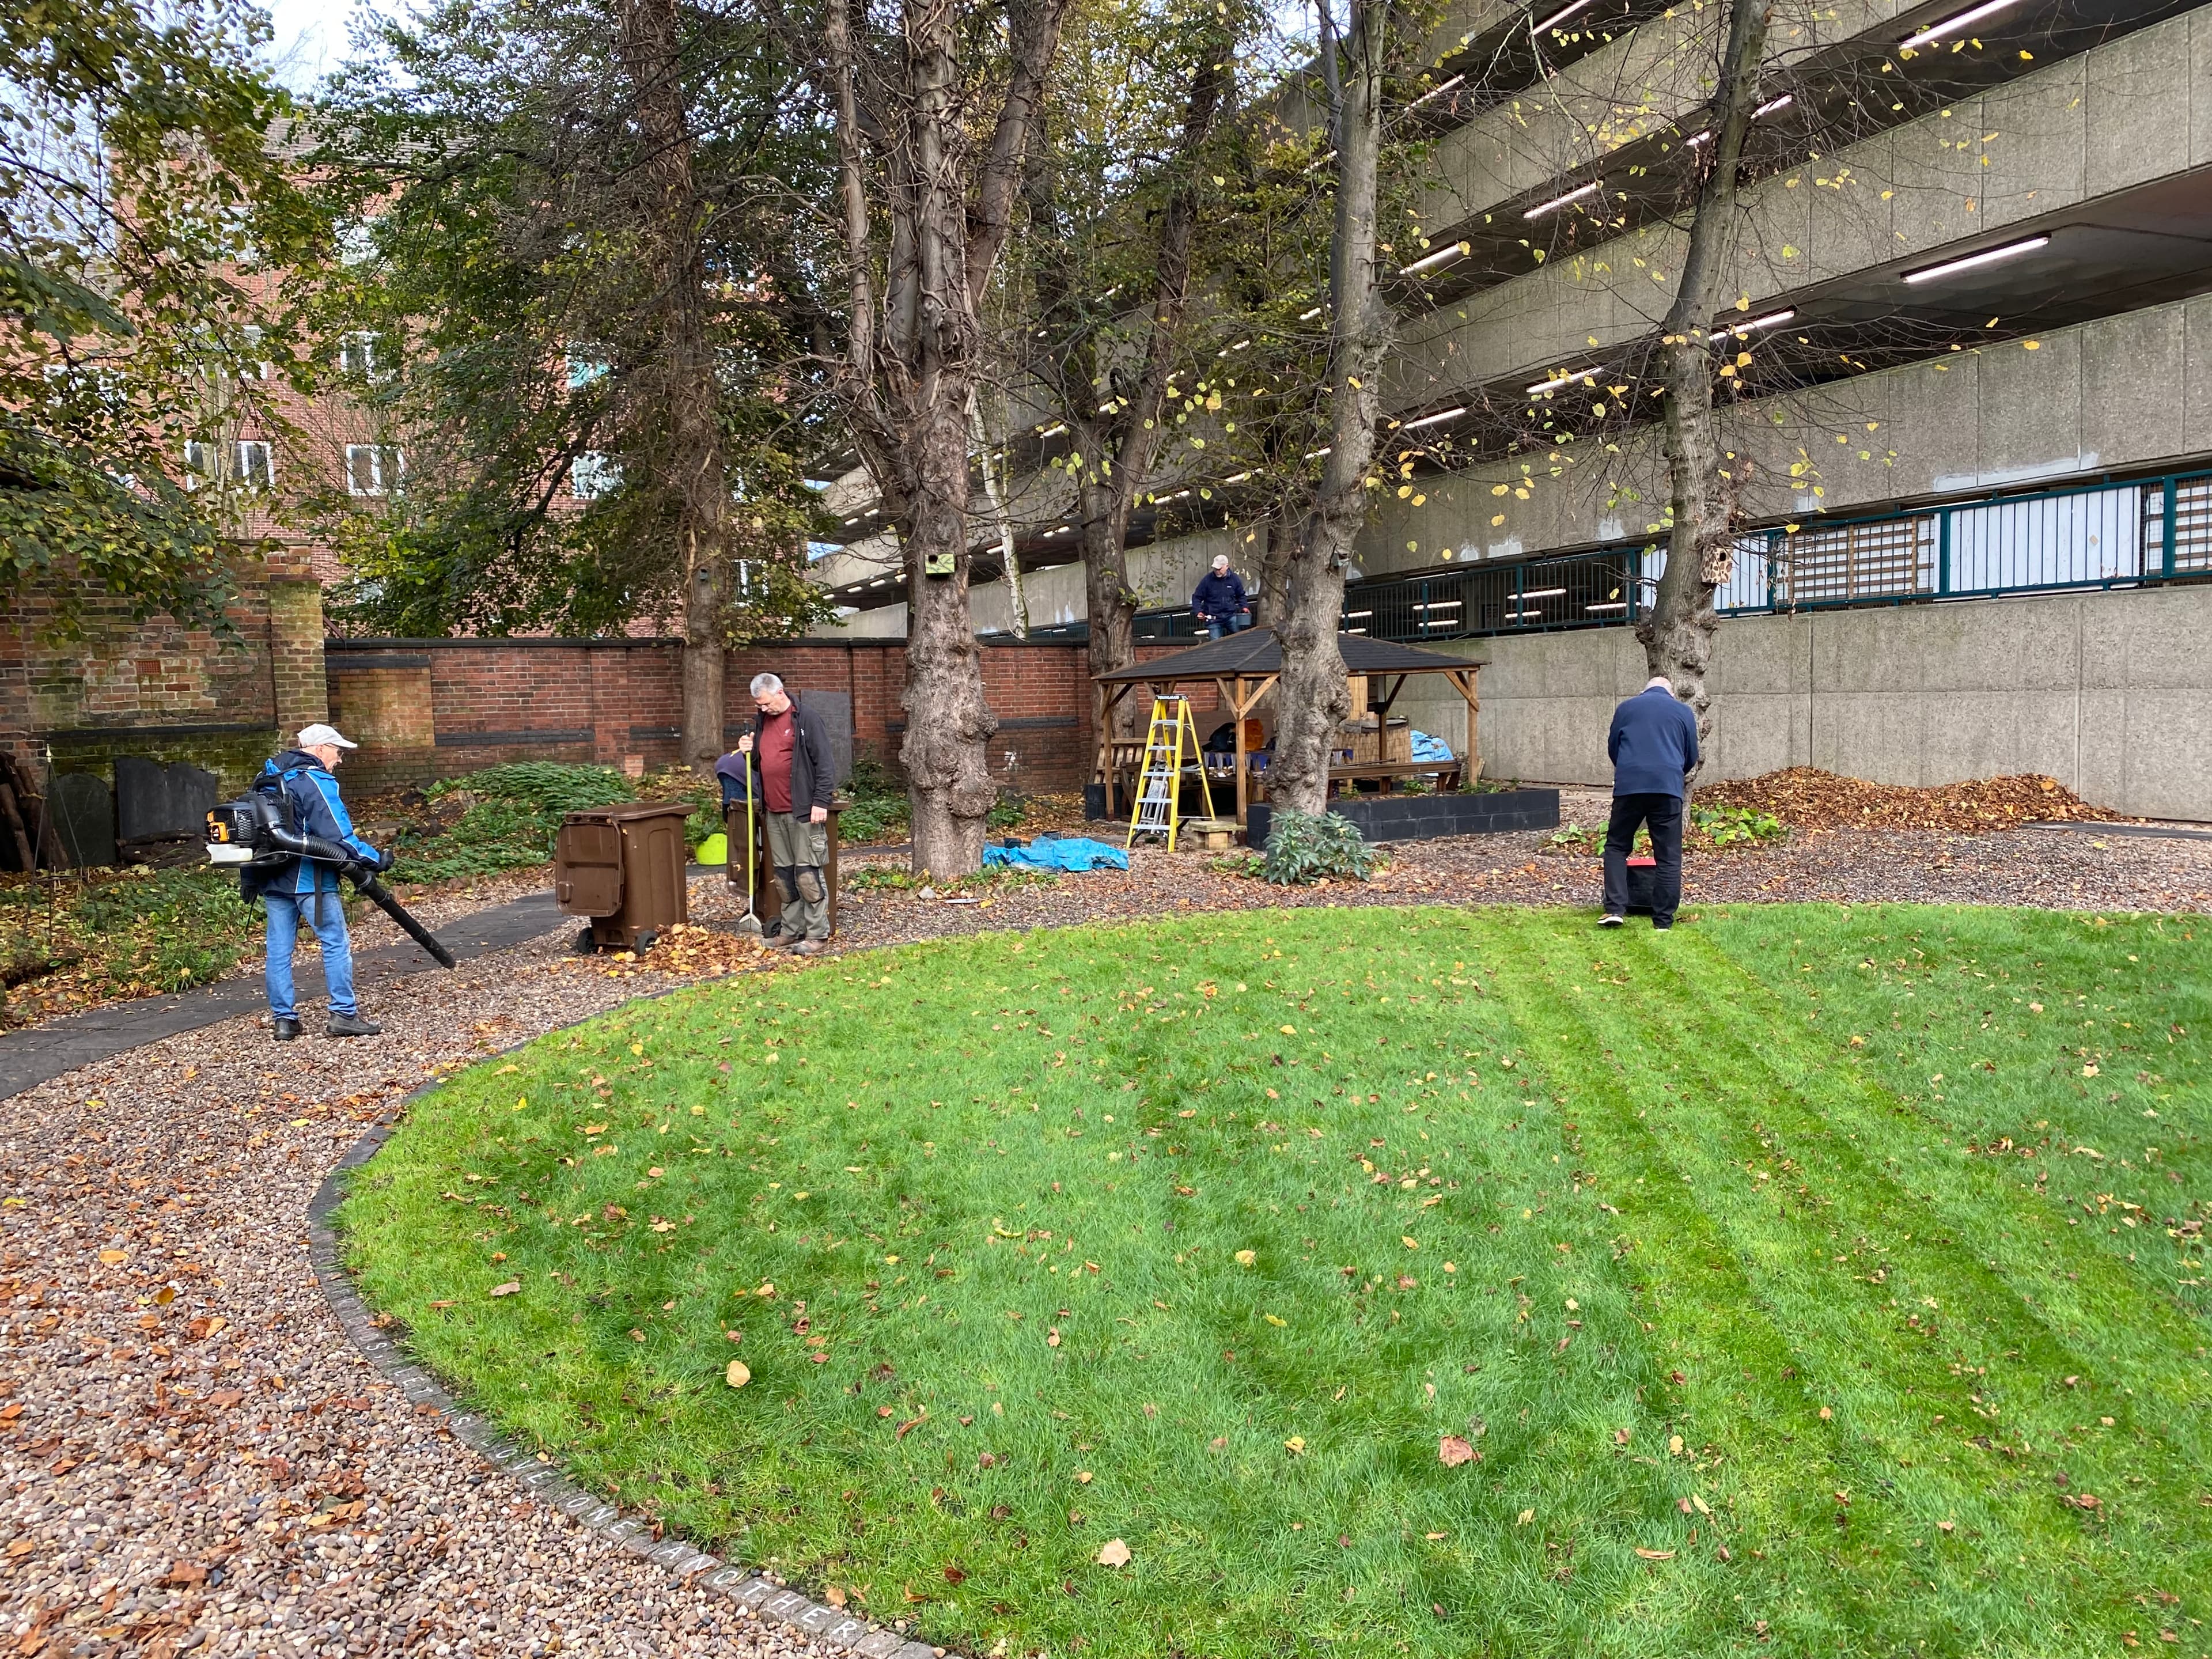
(797, 850)
(327, 915)
(1215, 626)
(1663, 813)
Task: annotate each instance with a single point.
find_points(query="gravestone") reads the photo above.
(84, 817)
(154, 802)
(836, 708)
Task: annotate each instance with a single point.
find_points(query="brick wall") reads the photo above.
(617, 702)
(163, 690)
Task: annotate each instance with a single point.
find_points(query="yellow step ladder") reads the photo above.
(1159, 784)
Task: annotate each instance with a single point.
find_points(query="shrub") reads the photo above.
(513, 813)
(1726, 826)
(1303, 848)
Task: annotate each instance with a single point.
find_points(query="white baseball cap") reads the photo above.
(315, 737)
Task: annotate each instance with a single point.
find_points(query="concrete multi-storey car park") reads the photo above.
(1993, 385)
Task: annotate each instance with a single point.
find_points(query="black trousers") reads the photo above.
(1663, 813)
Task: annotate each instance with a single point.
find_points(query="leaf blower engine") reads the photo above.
(251, 833)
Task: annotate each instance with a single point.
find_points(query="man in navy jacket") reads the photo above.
(308, 889)
(1219, 600)
(1654, 749)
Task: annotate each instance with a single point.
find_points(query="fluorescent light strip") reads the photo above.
(1773, 319)
(1937, 273)
(1558, 202)
(1542, 593)
(1772, 105)
(1574, 377)
(1315, 454)
(1354, 615)
(1435, 419)
(1308, 316)
(1705, 138)
(1936, 30)
(1235, 478)
(1621, 605)
(1442, 257)
(1438, 92)
(1559, 17)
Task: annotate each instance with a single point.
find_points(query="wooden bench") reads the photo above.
(1446, 773)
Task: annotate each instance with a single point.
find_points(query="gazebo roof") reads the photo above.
(1256, 651)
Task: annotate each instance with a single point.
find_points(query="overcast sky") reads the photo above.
(311, 35)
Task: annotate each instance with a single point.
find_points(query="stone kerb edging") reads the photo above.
(538, 1475)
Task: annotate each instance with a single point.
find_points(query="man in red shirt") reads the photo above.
(795, 774)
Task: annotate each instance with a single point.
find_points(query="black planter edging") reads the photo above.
(1426, 818)
(544, 1478)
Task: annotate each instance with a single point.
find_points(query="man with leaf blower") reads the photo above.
(297, 888)
(792, 773)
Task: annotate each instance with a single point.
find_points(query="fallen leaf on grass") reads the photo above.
(1114, 1555)
(834, 1596)
(512, 1287)
(1524, 1518)
(1452, 1451)
(1655, 1555)
(738, 1373)
(912, 1422)
(1246, 1258)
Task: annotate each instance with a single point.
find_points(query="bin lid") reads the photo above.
(628, 811)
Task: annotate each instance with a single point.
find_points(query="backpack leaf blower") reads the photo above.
(250, 834)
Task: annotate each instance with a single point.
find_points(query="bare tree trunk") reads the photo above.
(991, 463)
(1111, 605)
(1272, 607)
(1312, 698)
(909, 376)
(1678, 635)
(688, 389)
(1116, 446)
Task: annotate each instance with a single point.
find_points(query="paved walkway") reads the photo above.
(35, 1057)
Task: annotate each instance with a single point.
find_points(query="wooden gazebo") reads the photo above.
(1244, 668)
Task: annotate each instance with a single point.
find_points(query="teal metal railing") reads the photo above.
(2087, 536)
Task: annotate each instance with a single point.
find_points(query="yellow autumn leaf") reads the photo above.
(1297, 1445)
(1271, 1320)
(1246, 1258)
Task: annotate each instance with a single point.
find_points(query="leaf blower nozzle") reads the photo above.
(250, 834)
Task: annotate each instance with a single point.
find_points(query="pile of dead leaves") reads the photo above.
(1806, 799)
(687, 950)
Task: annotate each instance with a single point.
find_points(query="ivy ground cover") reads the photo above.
(1804, 1281)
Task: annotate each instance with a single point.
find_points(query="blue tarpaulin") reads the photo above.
(1074, 853)
(1427, 748)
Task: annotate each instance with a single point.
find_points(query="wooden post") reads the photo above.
(1465, 680)
(1236, 717)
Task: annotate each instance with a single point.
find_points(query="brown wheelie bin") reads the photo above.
(623, 867)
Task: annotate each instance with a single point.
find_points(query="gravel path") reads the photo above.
(223, 1473)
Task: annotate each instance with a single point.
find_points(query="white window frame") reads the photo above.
(386, 471)
(244, 455)
(357, 356)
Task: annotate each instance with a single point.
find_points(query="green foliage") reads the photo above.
(1802, 1326)
(122, 934)
(880, 810)
(490, 155)
(1731, 826)
(134, 293)
(1303, 848)
(1577, 838)
(514, 813)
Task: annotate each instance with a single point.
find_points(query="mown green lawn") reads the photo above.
(1808, 1281)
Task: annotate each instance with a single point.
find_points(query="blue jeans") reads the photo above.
(285, 912)
(1215, 627)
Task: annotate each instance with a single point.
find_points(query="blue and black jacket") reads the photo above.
(317, 809)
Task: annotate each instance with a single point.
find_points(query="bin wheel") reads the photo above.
(584, 946)
(646, 941)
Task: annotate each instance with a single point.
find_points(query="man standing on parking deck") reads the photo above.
(796, 773)
(1654, 749)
